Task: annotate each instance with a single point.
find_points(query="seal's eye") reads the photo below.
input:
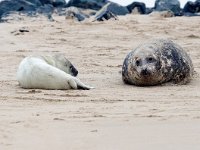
(137, 62)
(150, 59)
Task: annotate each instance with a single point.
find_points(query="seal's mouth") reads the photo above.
(146, 76)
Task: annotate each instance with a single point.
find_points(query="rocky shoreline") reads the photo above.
(101, 9)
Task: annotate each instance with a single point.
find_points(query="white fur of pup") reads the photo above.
(38, 73)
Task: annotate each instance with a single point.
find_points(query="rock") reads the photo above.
(55, 3)
(74, 13)
(149, 10)
(135, 11)
(191, 14)
(110, 10)
(23, 30)
(104, 15)
(36, 2)
(141, 7)
(173, 5)
(115, 8)
(46, 9)
(16, 5)
(87, 4)
(192, 7)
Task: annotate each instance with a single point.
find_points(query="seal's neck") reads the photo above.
(50, 60)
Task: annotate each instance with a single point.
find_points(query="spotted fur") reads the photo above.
(155, 62)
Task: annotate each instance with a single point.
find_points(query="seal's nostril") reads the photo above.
(145, 72)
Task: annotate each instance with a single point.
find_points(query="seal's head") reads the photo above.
(142, 67)
(64, 64)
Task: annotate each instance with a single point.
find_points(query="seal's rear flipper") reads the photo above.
(81, 85)
(85, 87)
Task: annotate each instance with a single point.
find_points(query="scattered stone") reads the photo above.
(193, 36)
(23, 30)
(94, 130)
(20, 31)
(61, 119)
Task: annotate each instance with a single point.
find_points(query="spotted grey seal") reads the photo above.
(48, 72)
(155, 62)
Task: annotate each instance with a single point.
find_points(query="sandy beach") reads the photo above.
(113, 116)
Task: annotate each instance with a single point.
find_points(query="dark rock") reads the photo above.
(23, 30)
(140, 6)
(87, 4)
(55, 3)
(74, 13)
(192, 7)
(115, 8)
(16, 5)
(149, 10)
(35, 2)
(104, 15)
(173, 5)
(110, 10)
(46, 9)
(191, 14)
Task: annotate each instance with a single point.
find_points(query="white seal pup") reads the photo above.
(155, 62)
(48, 72)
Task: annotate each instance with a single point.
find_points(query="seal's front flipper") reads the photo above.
(72, 84)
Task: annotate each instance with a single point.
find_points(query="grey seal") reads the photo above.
(155, 62)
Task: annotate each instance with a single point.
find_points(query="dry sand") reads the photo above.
(113, 116)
